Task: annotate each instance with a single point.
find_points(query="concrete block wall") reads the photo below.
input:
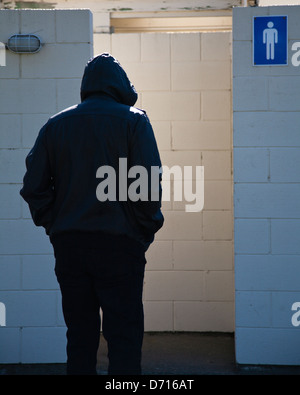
(32, 88)
(184, 84)
(266, 118)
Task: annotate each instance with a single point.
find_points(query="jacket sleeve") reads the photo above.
(38, 190)
(144, 154)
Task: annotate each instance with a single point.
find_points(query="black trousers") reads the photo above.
(108, 276)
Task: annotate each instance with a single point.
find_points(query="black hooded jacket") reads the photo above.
(60, 183)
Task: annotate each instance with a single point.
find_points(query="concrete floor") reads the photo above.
(172, 354)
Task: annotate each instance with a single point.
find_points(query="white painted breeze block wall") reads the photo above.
(184, 84)
(32, 88)
(266, 110)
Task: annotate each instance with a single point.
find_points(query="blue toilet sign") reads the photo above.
(270, 40)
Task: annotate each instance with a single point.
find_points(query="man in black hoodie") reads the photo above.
(99, 242)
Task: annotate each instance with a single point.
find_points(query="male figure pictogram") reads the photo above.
(270, 38)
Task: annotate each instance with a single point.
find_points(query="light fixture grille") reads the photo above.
(24, 43)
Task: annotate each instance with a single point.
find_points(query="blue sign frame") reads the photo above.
(270, 40)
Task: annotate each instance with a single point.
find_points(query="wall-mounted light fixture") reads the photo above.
(24, 43)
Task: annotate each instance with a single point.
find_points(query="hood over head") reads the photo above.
(104, 74)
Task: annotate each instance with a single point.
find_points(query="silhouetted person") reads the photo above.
(99, 245)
